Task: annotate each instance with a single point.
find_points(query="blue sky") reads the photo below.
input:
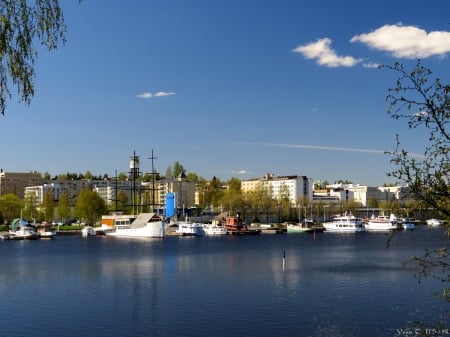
(234, 88)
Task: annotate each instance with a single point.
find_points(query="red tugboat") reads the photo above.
(235, 226)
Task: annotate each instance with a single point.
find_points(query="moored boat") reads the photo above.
(434, 222)
(299, 227)
(88, 231)
(235, 226)
(383, 223)
(24, 232)
(345, 223)
(190, 229)
(147, 225)
(211, 229)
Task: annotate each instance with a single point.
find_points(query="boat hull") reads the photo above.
(150, 230)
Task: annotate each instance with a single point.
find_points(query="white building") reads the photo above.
(292, 187)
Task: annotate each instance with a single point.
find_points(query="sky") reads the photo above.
(228, 88)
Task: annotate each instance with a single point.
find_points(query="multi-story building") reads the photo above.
(292, 187)
(16, 182)
(183, 189)
(108, 190)
(360, 193)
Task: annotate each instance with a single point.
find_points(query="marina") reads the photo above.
(267, 285)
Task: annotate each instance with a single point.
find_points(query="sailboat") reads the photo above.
(145, 225)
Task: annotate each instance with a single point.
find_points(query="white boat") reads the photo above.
(383, 223)
(298, 228)
(190, 228)
(88, 231)
(434, 222)
(24, 232)
(146, 225)
(46, 233)
(345, 223)
(211, 229)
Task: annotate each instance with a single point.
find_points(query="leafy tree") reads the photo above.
(63, 209)
(30, 207)
(88, 175)
(48, 206)
(122, 176)
(10, 206)
(372, 202)
(192, 176)
(177, 169)
(89, 205)
(234, 184)
(22, 24)
(424, 103)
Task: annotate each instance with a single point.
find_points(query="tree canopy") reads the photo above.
(425, 103)
(22, 23)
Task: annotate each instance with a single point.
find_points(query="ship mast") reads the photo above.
(153, 173)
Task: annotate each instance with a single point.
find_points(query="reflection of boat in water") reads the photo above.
(149, 225)
(235, 226)
(190, 229)
(211, 229)
(88, 231)
(345, 223)
(383, 223)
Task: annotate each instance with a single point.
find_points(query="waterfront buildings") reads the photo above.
(291, 187)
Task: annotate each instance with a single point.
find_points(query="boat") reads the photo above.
(434, 222)
(383, 223)
(190, 229)
(88, 231)
(235, 226)
(145, 225)
(407, 224)
(45, 231)
(21, 229)
(24, 232)
(211, 229)
(306, 226)
(299, 228)
(345, 223)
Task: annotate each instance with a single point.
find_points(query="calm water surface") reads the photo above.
(333, 285)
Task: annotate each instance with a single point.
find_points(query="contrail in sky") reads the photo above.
(335, 148)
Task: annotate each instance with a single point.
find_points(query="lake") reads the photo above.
(332, 285)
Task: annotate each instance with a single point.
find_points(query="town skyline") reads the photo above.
(230, 89)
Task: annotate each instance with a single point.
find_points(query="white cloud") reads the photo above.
(162, 93)
(372, 65)
(325, 55)
(241, 172)
(147, 95)
(406, 41)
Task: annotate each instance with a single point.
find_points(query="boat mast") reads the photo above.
(153, 173)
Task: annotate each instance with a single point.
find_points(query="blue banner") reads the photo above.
(170, 205)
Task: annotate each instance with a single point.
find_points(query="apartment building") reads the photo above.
(292, 187)
(16, 182)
